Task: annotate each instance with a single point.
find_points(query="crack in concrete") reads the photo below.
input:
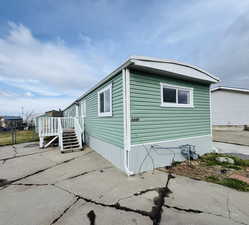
(65, 211)
(115, 206)
(20, 156)
(28, 184)
(145, 191)
(183, 209)
(154, 214)
(227, 206)
(7, 182)
(196, 211)
(157, 209)
(88, 172)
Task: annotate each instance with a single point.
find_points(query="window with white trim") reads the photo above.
(176, 96)
(83, 108)
(105, 101)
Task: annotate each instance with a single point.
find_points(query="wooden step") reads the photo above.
(72, 146)
(68, 137)
(70, 143)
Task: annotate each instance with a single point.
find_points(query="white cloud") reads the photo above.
(45, 68)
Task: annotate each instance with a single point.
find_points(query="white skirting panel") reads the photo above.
(110, 152)
(161, 158)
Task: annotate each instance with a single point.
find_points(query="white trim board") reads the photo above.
(177, 87)
(178, 139)
(105, 114)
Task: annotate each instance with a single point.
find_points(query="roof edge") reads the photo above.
(151, 59)
(230, 89)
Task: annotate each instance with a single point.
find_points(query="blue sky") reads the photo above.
(53, 51)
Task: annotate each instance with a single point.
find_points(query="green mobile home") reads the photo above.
(147, 103)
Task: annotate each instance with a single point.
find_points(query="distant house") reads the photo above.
(54, 113)
(230, 106)
(10, 122)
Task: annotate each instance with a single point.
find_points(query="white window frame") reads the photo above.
(105, 114)
(168, 104)
(83, 108)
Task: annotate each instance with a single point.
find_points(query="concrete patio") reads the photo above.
(45, 187)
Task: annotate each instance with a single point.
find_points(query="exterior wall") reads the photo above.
(109, 151)
(70, 112)
(156, 123)
(106, 129)
(139, 161)
(230, 108)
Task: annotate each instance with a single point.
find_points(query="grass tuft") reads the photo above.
(210, 160)
(235, 184)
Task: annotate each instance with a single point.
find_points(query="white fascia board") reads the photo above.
(230, 89)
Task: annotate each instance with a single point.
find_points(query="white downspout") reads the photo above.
(211, 119)
(126, 110)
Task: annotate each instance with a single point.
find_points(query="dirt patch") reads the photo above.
(208, 169)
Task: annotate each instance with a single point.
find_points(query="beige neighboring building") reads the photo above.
(230, 106)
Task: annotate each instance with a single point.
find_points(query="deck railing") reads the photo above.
(54, 126)
(48, 126)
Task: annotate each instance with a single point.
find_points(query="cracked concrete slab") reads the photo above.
(207, 197)
(57, 157)
(32, 205)
(20, 167)
(86, 177)
(238, 205)
(29, 148)
(174, 217)
(195, 193)
(6, 152)
(27, 164)
(71, 170)
(104, 215)
(112, 185)
(138, 202)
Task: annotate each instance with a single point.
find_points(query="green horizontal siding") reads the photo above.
(158, 123)
(107, 129)
(70, 112)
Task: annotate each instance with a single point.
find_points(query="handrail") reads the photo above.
(78, 131)
(60, 132)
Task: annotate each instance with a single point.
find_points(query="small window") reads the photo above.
(105, 101)
(176, 96)
(83, 108)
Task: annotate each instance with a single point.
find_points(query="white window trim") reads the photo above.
(105, 114)
(83, 108)
(191, 101)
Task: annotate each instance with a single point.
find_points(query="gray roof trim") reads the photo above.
(150, 59)
(139, 61)
(222, 88)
